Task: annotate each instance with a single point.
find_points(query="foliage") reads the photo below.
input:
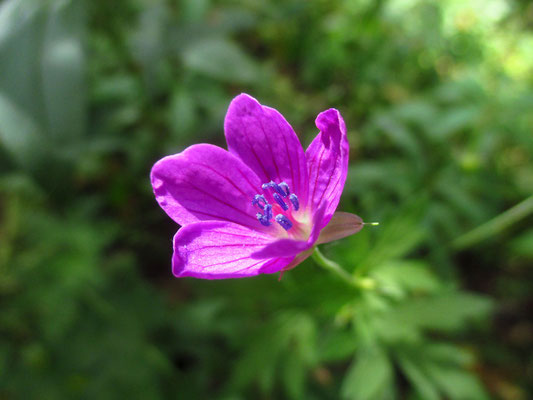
(436, 97)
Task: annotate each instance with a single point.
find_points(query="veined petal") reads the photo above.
(283, 248)
(341, 225)
(221, 250)
(205, 182)
(327, 163)
(266, 142)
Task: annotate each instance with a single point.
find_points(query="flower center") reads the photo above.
(276, 198)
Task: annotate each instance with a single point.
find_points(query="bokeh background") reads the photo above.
(437, 97)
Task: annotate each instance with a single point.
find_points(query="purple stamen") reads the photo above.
(285, 188)
(278, 193)
(265, 218)
(294, 200)
(262, 219)
(280, 201)
(268, 212)
(284, 221)
(258, 199)
(278, 189)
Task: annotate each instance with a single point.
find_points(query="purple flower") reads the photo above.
(261, 206)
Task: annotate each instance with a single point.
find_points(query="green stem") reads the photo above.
(495, 225)
(332, 266)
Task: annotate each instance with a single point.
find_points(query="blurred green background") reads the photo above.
(437, 97)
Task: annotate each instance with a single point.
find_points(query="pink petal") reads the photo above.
(327, 162)
(220, 250)
(205, 182)
(266, 142)
(342, 224)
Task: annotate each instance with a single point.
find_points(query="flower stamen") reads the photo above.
(284, 188)
(266, 217)
(278, 192)
(258, 199)
(295, 203)
(280, 201)
(284, 221)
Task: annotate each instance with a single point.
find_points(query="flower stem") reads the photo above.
(362, 283)
(332, 266)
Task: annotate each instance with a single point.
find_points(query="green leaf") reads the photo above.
(293, 376)
(457, 384)
(453, 120)
(22, 26)
(445, 312)
(338, 345)
(399, 134)
(181, 114)
(221, 59)
(523, 245)
(63, 71)
(42, 64)
(368, 376)
(396, 237)
(418, 377)
(287, 335)
(406, 276)
(19, 133)
(435, 368)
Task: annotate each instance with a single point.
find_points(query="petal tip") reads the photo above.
(243, 102)
(329, 119)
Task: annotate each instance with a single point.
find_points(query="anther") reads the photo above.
(258, 199)
(280, 201)
(265, 218)
(268, 212)
(285, 188)
(265, 186)
(294, 200)
(284, 221)
(262, 219)
(276, 188)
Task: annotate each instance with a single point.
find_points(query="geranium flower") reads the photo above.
(261, 206)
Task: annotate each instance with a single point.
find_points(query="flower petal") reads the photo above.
(205, 182)
(342, 224)
(327, 162)
(266, 142)
(283, 248)
(220, 250)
